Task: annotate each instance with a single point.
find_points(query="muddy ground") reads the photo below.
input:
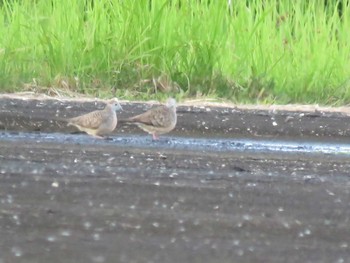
(70, 198)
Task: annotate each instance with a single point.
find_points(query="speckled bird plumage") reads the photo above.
(98, 123)
(156, 121)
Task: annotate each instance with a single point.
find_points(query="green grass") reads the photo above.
(265, 51)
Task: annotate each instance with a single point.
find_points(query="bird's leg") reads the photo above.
(98, 137)
(155, 136)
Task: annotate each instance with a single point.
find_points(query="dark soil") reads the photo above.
(72, 198)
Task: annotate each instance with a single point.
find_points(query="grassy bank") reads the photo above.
(266, 51)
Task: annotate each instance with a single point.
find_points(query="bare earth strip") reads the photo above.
(193, 102)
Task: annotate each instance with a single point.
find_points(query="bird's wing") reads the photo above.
(157, 117)
(92, 120)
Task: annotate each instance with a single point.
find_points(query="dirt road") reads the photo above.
(204, 193)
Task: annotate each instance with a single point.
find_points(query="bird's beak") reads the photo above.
(119, 107)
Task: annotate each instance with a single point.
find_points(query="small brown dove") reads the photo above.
(157, 120)
(99, 122)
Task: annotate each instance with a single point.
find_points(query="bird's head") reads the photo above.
(115, 104)
(171, 103)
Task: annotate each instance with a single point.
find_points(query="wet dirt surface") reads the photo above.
(226, 186)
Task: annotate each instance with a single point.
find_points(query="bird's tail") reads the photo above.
(128, 120)
(59, 119)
